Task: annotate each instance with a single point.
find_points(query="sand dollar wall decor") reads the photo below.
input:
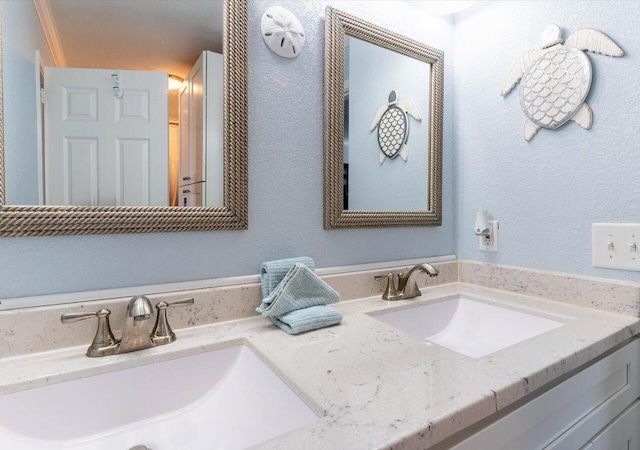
(556, 79)
(282, 32)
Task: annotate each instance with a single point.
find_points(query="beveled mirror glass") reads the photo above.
(123, 116)
(383, 126)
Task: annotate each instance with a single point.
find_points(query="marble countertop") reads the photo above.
(372, 385)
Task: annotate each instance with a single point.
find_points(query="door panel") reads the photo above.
(133, 172)
(81, 171)
(80, 104)
(130, 137)
(133, 106)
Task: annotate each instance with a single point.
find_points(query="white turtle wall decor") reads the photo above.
(392, 120)
(556, 79)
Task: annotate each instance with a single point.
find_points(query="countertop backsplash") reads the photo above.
(33, 330)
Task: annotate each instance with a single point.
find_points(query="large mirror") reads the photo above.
(123, 116)
(383, 127)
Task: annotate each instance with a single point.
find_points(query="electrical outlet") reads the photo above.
(616, 245)
(490, 243)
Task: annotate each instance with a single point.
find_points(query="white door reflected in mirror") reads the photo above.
(106, 148)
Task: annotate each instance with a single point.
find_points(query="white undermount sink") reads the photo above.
(469, 327)
(222, 399)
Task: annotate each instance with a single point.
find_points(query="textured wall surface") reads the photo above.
(20, 26)
(285, 183)
(395, 184)
(546, 193)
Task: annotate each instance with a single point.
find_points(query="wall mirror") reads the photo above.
(123, 116)
(383, 127)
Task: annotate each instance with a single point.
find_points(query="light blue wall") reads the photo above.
(285, 188)
(395, 184)
(21, 27)
(546, 193)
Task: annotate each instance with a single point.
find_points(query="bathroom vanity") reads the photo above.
(572, 383)
(593, 409)
(480, 357)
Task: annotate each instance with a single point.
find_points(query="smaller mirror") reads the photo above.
(383, 155)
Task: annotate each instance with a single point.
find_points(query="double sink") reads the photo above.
(227, 398)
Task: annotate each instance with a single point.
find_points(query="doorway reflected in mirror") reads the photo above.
(130, 102)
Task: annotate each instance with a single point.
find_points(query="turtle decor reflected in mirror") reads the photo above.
(392, 121)
(383, 127)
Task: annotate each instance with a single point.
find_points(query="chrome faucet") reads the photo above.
(407, 287)
(135, 334)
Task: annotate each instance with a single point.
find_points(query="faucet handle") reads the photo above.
(184, 302)
(390, 293)
(104, 343)
(162, 332)
(77, 317)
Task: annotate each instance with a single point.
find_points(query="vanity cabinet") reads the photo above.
(596, 409)
(622, 433)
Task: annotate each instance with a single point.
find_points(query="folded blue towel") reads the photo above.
(301, 288)
(272, 272)
(308, 319)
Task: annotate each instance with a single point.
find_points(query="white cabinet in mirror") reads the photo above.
(114, 123)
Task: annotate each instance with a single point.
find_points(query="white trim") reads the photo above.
(84, 296)
(383, 265)
(39, 66)
(50, 30)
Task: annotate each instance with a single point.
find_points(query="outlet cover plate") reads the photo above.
(491, 244)
(613, 245)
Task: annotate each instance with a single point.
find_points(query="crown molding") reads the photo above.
(45, 15)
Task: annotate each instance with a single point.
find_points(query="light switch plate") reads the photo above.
(616, 245)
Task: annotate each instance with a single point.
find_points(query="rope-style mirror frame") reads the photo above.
(339, 24)
(75, 220)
